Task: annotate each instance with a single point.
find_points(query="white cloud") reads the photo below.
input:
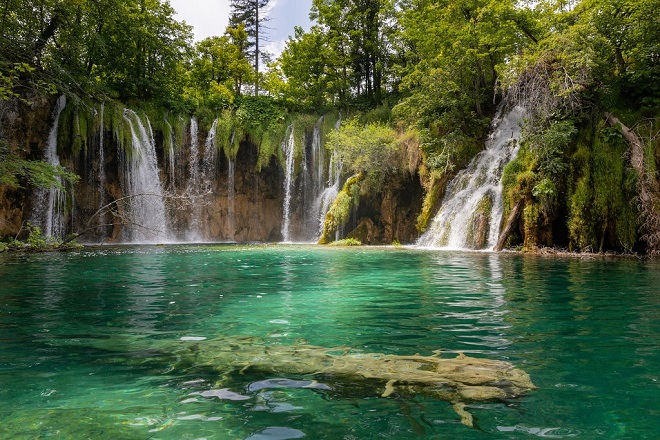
(275, 48)
(207, 17)
(210, 17)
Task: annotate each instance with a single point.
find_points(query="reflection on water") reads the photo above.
(81, 337)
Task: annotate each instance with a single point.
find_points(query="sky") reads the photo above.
(210, 17)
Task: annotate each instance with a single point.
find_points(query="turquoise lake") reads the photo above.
(84, 337)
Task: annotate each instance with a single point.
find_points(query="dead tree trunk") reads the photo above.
(513, 218)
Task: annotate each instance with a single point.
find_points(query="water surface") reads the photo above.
(84, 337)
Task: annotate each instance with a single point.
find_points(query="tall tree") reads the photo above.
(247, 13)
(360, 32)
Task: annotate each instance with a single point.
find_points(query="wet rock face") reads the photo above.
(256, 211)
(244, 205)
(389, 215)
(25, 129)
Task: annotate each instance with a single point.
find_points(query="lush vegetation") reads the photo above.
(422, 75)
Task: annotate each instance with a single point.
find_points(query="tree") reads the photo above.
(125, 48)
(220, 68)
(449, 71)
(311, 74)
(247, 13)
(359, 33)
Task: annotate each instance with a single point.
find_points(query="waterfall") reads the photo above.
(210, 156)
(231, 195)
(170, 155)
(201, 170)
(101, 169)
(471, 211)
(101, 157)
(318, 188)
(193, 185)
(288, 146)
(314, 182)
(48, 211)
(145, 215)
(326, 190)
(193, 159)
(329, 194)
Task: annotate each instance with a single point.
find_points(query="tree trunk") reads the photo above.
(513, 218)
(45, 35)
(647, 187)
(256, 49)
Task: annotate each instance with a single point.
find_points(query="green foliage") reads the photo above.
(36, 242)
(10, 77)
(303, 124)
(370, 149)
(14, 171)
(35, 239)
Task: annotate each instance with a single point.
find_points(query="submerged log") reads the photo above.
(458, 380)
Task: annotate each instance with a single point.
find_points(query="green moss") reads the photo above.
(340, 210)
(302, 124)
(77, 143)
(168, 132)
(346, 242)
(437, 185)
(224, 131)
(271, 142)
(531, 216)
(65, 129)
(602, 187)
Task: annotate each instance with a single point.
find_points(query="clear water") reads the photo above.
(82, 337)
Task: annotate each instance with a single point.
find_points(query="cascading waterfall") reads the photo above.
(193, 158)
(48, 211)
(330, 193)
(145, 216)
(471, 211)
(320, 184)
(331, 190)
(170, 156)
(201, 168)
(101, 157)
(288, 147)
(101, 169)
(193, 187)
(209, 158)
(314, 183)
